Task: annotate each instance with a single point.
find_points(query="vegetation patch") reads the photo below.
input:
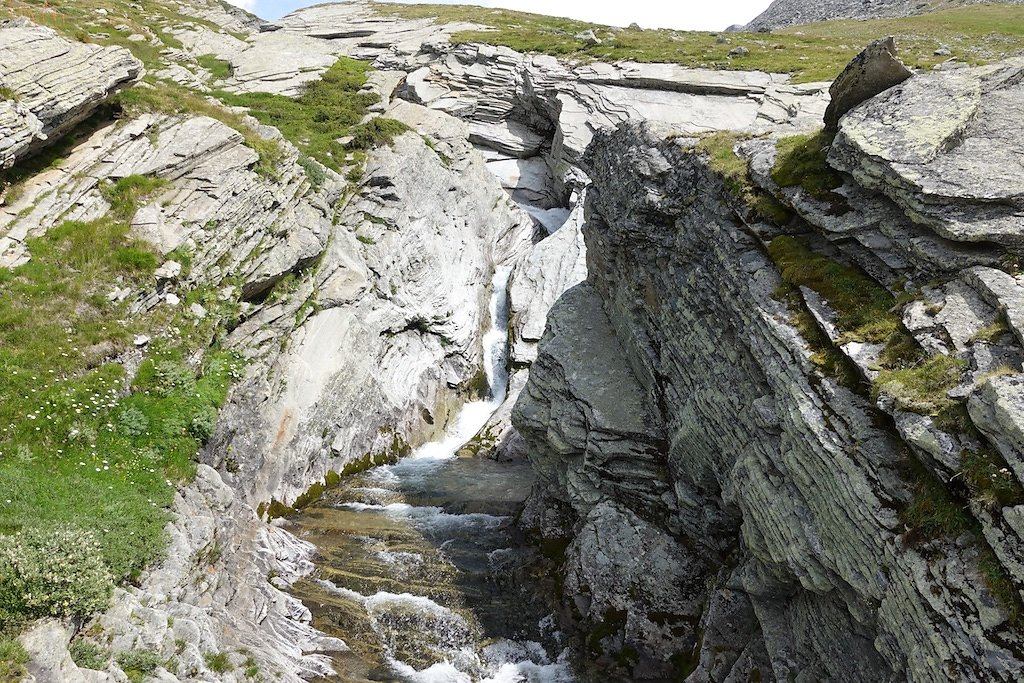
(801, 162)
(138, 664)
(88, 655)
(734, 171)
(328, 109)
(218, 68)
(922, 387)
(813, 52)
(89, 458)
(13, 659)
(862, 306)
(218, 663)
(177, 100)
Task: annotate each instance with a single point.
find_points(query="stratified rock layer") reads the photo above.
(50, 84)
(777, 490)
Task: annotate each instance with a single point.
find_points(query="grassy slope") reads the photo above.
(811, 53)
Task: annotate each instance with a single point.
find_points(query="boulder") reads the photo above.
(873, 71)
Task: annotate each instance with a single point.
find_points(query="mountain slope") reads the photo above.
(782, 13)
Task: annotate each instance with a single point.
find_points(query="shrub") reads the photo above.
(376, 132)
(89, 655)
(132, 422)
(56, 572)
(203, 423)
(137, 664)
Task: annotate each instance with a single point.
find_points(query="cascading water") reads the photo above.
(424, 575)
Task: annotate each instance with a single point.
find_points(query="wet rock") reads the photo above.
(873, 71)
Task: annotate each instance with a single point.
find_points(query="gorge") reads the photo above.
(429, 343)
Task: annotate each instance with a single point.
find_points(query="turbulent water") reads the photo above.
(424, 575)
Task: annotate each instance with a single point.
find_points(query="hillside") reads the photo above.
(432, 342)
(784, 13)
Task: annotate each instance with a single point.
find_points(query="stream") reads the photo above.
(424, 573)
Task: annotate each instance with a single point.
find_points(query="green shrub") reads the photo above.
(376, 132)
(203, 423)
(137, 664)
(57, 572)
(89, 655)
(218, 663)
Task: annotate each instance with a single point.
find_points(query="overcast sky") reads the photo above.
(705, 15)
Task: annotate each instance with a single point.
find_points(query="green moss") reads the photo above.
(612, 622)
(801, 162)
(1000, 585)
(309, 496)
(922, 388)
(366, 239)
(734, 171)
(276, 509)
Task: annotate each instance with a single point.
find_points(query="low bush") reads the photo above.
(57, 572)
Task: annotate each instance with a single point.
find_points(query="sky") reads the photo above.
(702, 15)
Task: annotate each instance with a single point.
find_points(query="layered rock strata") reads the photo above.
(686, 431)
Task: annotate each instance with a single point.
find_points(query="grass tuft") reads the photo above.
(801, 162)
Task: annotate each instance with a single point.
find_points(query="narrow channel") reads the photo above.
(424, 574)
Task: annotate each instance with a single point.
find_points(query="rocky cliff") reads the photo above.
(732, 505)
(754, 481)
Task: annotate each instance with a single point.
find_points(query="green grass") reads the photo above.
(88, 655)
(922, 387)
(218, 68)
(80, 445)
(813, 52)
(327, 110)
(137, 664)
(8, 94)
(218, 663)
(734, 171)
(124, 194)
(801, 162)
(13, 659)
(862, 306)
(176, 100)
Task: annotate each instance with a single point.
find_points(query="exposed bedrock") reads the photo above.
(49, 84)
(675, 410)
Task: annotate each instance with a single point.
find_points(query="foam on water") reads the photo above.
(398, 618)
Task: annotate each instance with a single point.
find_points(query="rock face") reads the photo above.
(782, 13)
(49, 84)
(946, 150)
(683, 430)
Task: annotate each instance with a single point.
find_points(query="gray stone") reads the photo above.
(873, 71)
(58, 83)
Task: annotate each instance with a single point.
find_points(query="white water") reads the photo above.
(396, 618)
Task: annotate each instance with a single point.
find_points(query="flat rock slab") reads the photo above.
(947, 148)
(56, 84)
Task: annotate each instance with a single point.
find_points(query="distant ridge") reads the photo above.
(782, 13)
